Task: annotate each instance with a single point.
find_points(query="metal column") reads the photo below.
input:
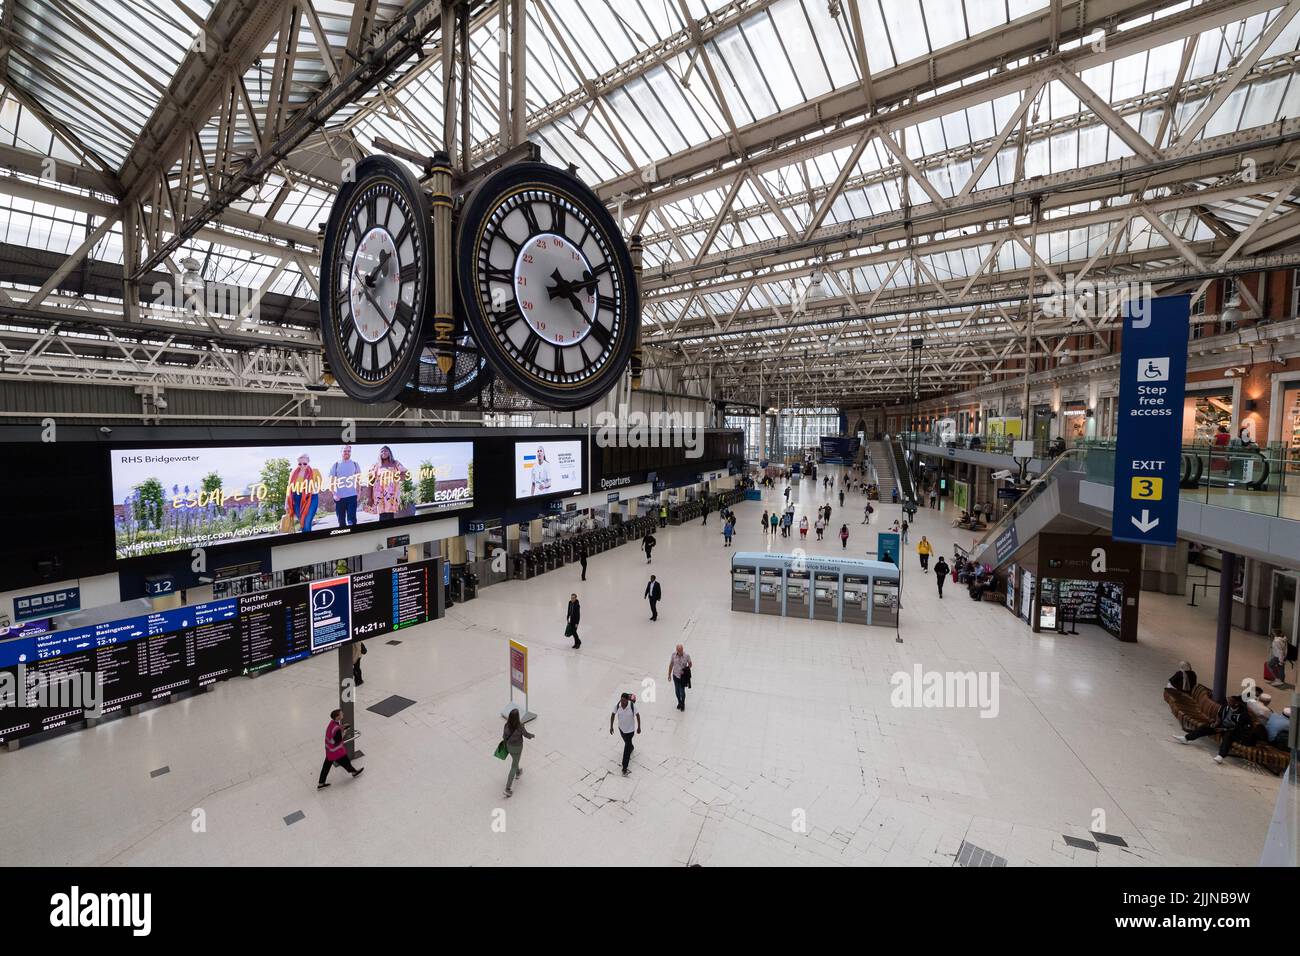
(1223, 637)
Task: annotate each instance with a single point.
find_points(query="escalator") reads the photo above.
(1235, 500)
(903, 474)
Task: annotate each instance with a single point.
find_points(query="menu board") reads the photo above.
(390, 599)
(274, 627)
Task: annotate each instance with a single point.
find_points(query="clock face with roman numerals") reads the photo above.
(375, 280)
(547, 284)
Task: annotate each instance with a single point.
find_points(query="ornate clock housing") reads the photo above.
(430, 387)
(376, 280)
(547, 283)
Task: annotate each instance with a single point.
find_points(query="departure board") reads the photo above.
(392, 598)
(214, 641)
(15, 721)
(60, 681)
(274, 627)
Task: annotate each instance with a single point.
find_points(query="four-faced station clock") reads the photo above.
(376, 280)
(547, 284)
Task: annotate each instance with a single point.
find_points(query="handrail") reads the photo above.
(1031, 494)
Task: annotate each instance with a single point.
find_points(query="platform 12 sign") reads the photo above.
(1149, 447)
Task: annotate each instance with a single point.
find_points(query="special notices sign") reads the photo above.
(519, 666)
(1148, 449)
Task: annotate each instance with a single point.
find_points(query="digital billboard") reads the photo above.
(547, 467)
(176, 499)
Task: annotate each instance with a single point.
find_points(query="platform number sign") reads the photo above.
(1148, 449)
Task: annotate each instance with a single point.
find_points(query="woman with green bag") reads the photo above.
(512, 739)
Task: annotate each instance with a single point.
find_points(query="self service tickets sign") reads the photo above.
(1148, 449)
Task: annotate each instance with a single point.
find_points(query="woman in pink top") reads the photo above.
(335, 750)
(386, 476)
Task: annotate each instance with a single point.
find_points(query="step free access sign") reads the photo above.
(1149, 447)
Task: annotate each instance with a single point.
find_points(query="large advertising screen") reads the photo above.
(547, 467)
(176, 499)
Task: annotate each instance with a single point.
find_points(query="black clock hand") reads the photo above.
(373, 274)
(562, 288)
(375, 302)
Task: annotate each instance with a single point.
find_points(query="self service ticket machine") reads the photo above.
(826, 596)
(770, 591)
(743, 579)
(857, 599)
(844, 590)
(798, 594)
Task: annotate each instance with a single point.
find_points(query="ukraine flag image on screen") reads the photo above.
(547, 467)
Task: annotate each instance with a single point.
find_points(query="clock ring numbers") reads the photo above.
(376, 284)
(556, 289)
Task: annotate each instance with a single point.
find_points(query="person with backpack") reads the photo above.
(336, 751)
(573, 616)
(728, 529)
(923, 551)
(512, 735)
(629, 723)
(941, 572)
(679, 669)
(844, 536)
(774, 520)
(867, 512)
(763, 523)
(648, 543)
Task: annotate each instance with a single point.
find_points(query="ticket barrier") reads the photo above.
(743, 597)
(826, 596)
(798, 594)
(769, 591)
(857, 599)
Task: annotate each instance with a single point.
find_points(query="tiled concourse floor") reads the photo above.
(788, 721)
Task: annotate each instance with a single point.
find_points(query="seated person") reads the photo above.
(1184, 678)
(1234, 725)
(1277, 729)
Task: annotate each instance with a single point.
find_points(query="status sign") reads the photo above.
(1149, 447)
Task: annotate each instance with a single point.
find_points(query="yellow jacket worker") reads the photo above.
(924, 549)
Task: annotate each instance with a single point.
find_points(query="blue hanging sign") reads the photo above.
(1149, 446)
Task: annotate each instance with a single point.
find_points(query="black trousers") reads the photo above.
(345, 762)
(654, 609)
(584, 569)
(1225, 742)
(627, 747)
(356, 673)
(925, 562)
(940, 579)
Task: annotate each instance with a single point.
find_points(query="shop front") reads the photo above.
(1064, 580)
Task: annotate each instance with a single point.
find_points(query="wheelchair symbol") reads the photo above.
(1154, 369)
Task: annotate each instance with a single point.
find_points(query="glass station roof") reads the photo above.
(81, 79)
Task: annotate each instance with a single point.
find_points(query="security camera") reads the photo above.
(160, 402)
(105, 430)
(1000, 475)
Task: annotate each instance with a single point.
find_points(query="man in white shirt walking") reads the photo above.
(629, 723)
